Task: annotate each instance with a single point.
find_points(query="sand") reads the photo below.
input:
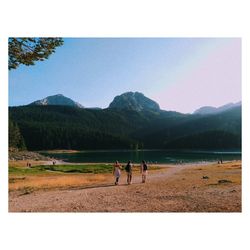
(179, 188)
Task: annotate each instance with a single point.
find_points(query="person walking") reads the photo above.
(117, 172)
(144, 171)
(128, 169)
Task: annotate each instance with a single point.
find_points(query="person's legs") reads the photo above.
(116, 180)
(127, 178)
(143, 177)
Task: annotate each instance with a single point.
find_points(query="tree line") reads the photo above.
(63, 127)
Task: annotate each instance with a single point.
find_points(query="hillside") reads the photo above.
(228, 121)
(57, 127)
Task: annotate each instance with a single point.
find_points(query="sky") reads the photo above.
(181, 74)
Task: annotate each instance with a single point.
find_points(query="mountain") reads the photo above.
(219, 125)
(57, 100)
(134, 101)
(212, 110)
(65, 127)
(131, 121)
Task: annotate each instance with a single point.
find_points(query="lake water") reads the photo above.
(153, 156)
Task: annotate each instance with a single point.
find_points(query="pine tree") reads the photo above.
(26, 51)
(15, 138)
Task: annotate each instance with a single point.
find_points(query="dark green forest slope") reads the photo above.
(65, 127)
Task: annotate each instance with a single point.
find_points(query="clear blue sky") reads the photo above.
(179, 73)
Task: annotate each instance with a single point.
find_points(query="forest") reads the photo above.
(65, 127)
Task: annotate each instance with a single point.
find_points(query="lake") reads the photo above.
(152, 156)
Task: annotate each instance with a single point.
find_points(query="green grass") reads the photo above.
(95, 169)
(75, 169)
(24, 171)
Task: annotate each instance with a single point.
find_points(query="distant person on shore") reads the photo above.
(128, 169)
(144, 171)
(117, 172)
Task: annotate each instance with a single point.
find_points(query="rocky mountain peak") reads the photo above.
(134, 101)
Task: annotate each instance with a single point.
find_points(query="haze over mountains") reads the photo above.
(212, 110)
(131, 121)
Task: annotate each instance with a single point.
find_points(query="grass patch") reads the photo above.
(95, 169)
(24, 171)
(42, 169)
(67, 169)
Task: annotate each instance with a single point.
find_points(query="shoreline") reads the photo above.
(175, 161)
(139, 150)
(184, 188)
(38, 157)
(61, 162)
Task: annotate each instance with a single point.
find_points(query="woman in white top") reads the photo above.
(117, 172)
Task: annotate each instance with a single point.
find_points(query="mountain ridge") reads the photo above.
(57, 99)
(65, 127)
(213, 110)
(131, 101)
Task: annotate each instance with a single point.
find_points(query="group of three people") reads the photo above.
(117, 171)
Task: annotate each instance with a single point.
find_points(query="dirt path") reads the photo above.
(165, 191)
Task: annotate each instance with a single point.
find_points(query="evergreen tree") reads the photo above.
(15, 138)
(65, 127)
(26, 51)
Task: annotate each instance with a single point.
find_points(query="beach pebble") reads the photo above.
(205, 177)
(224, 181)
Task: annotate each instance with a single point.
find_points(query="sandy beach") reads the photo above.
(172, 188)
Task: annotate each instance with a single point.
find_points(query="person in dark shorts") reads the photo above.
(144, 171)
(128, 169)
